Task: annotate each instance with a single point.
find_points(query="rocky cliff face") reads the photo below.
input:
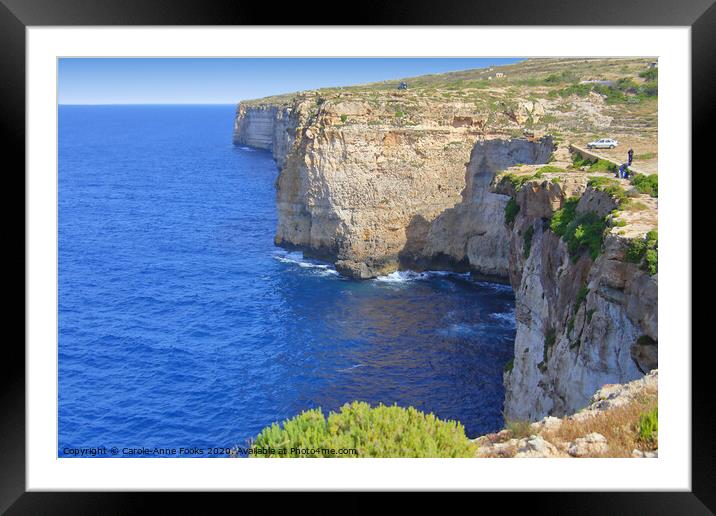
(472, 235)
(357, 184)
(615, 410)
(581, 322)
(374, 191)
(269, 126)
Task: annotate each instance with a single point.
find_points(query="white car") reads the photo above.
(604, 143)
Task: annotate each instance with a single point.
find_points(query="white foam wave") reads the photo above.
(407, 276)
(463, 330)
(505, 318)
(297, 258)
(499, 287)
(349, 368)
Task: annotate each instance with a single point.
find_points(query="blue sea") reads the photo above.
(181, 325)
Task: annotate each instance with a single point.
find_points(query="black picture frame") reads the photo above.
(16, 15)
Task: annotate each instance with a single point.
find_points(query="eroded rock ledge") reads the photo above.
(607, 427)
(375, 194)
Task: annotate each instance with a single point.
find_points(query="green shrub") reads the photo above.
(649, 426)
(564, 77)
(580, 90)
(547, 169)
(527, 242)
(509, 365)
(579, 232)
(564, 216)
(646, 184)
(636, 251)
(579, 161)
(601, 183)
(650, 74)
(344, 118)
(645, 252)
(516, 181)
(609, 186)
(602, 165)
(586, 232)
(627, 84)
(651, 261)
(645, 340)
(649, 89)
(511, 211)
(624, 90)
(380, 431)
(594, 164)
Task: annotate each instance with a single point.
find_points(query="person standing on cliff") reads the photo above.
(631, 156)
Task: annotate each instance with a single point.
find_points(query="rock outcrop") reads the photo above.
(615, 409)
(268, 126)
(581, 322)
(357, 186)
(473, 235)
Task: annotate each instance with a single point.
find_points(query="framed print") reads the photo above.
(428, 242)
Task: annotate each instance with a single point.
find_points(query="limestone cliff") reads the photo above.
(581, 321)
(268, 126)
(472, 235)
(357, 186)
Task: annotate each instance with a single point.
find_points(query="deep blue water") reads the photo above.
(181, 325)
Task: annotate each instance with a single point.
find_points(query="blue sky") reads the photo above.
(228, 80)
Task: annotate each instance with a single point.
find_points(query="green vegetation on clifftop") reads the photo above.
(646, 184)
(579, 232)
(648, 427)
(645, 252)
(609, 186)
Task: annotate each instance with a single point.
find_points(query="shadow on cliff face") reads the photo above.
(412, 255)
(416, 234)
(489, 158)
(472, 236)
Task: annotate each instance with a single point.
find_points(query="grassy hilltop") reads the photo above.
(624, 108)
